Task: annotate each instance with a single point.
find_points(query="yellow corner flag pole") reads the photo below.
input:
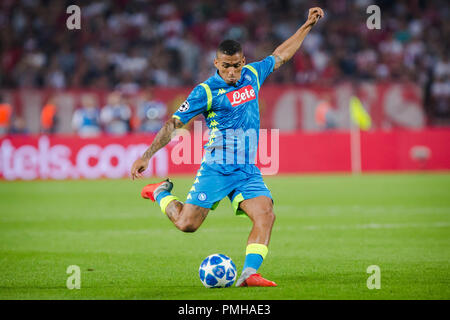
(359, 120)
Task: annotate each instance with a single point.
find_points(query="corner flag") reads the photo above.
(359, 115)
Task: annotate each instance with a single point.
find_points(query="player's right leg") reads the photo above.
(186, 217)
(260, 211)
(253, 198)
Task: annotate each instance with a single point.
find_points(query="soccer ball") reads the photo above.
(217, 271)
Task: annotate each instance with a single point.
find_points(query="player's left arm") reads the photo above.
(288, 48)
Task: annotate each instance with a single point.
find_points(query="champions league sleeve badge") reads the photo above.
(184, 107)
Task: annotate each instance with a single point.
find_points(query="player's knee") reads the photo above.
(187, 226)
(266, 216)
(271, 216)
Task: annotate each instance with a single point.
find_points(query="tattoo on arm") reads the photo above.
(163, 137)
(285, 51)
(278, 61)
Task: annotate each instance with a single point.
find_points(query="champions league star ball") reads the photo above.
(217, 271)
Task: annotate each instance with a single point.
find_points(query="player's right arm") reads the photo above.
(195, 104)
(162, 138)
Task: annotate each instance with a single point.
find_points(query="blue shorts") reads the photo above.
(214, 182)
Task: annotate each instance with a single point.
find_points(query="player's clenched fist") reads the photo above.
(139, 166)
(314, 15)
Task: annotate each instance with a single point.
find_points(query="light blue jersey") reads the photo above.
(232, 114)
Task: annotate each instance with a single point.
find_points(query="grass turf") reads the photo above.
(329, 229)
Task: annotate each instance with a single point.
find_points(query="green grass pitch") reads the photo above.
(329, 229)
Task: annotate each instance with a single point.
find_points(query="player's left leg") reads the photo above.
(260, 211)
(185, 216)
(209, 187)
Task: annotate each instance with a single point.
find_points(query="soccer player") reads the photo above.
(229, 102)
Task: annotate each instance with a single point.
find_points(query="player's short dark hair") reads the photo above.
(229, 47)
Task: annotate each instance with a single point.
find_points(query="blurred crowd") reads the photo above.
(116, 117)
(128, 45)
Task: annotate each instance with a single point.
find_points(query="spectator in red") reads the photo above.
(48, 117)
(325, 117)
(5, 116)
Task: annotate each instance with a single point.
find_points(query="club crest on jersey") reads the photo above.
(184, 107)
(241, 96)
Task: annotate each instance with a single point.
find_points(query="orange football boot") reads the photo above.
(151, 191)
(255, 280)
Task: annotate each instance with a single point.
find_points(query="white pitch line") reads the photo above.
(372, 226)
(337, 210)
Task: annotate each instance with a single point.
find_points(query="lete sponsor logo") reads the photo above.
(241, 96)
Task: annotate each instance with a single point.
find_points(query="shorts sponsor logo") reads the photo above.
(241, 96)
(201, 196)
